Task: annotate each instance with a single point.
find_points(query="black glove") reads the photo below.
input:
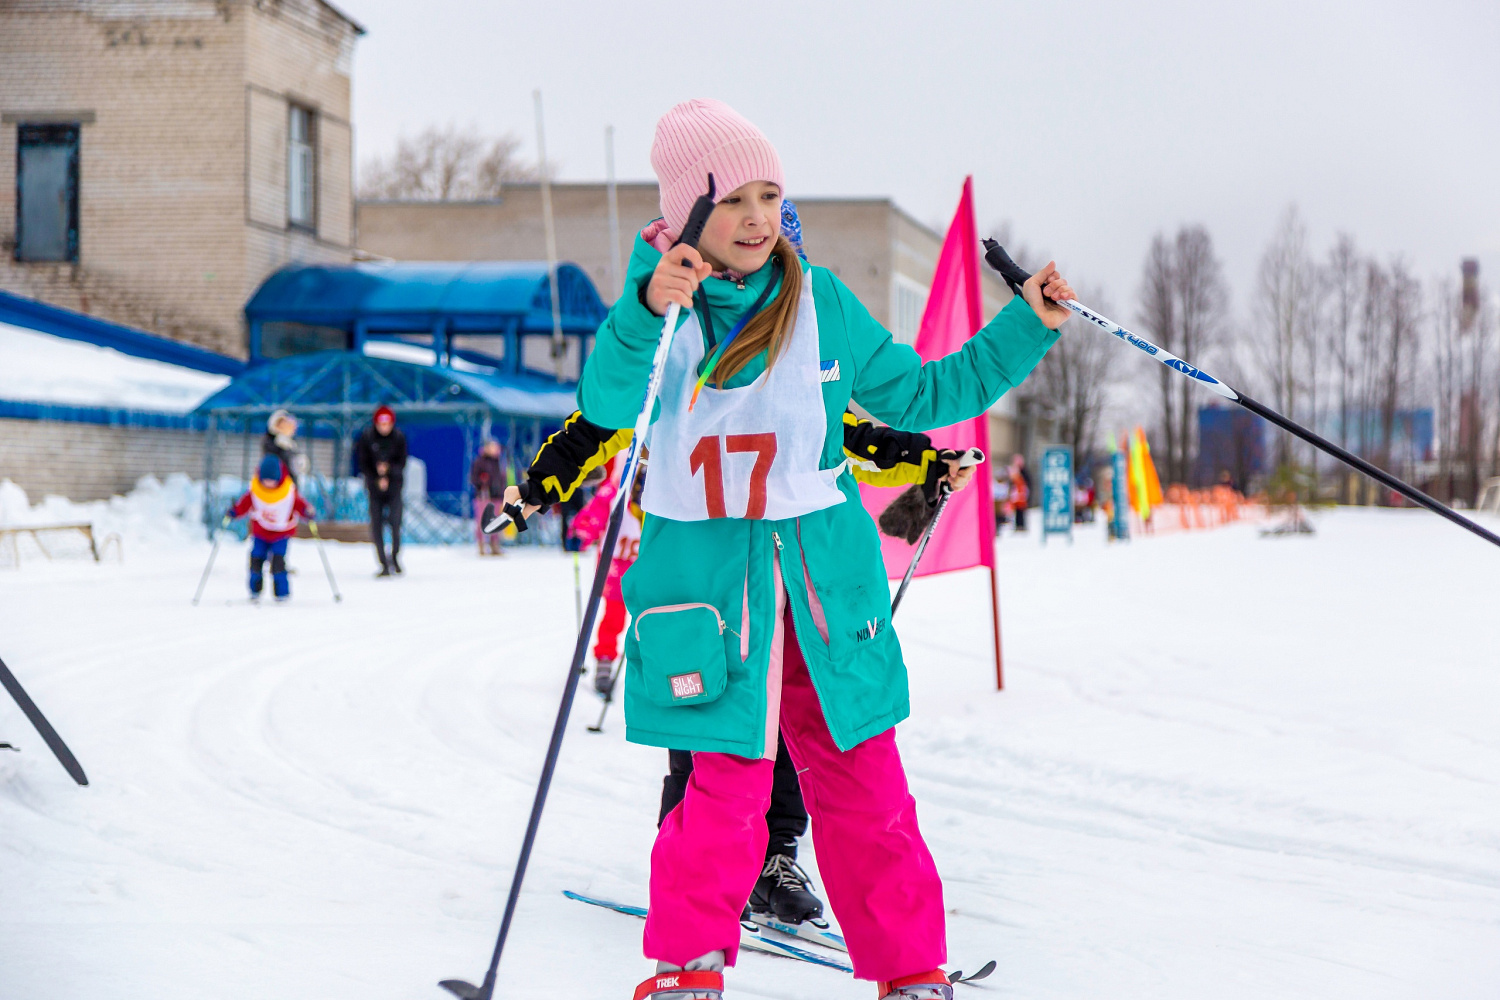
(937, 470)
(533, 495)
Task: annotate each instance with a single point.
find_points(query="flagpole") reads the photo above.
(995, 611)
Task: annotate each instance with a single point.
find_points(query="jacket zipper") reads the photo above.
(781, 569)
(667, 608)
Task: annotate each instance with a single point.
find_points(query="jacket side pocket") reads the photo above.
(682, 656)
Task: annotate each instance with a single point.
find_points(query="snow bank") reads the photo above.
(155, 514)
(41, 368)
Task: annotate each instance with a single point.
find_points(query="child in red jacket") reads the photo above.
(589, 526)
(274, 506)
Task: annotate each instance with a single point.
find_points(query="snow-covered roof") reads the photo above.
(42, 368)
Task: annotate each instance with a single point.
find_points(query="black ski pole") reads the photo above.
(1016, 276)
(691, 233)
(970, 458)
(49, 735)
(609, 697)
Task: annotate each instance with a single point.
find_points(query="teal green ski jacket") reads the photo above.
(703, 594)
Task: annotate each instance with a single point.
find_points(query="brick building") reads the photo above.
(886, 257)
(159, 158)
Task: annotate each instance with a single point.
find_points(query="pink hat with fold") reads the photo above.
(701, 137)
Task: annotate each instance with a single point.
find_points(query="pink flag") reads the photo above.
(966, 535)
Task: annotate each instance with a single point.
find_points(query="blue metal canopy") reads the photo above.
(345, 383)
(419, 289)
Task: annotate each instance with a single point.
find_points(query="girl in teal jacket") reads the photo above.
(760, 595)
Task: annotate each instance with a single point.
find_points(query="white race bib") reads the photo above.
(752, 452)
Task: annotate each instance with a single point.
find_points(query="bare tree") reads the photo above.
(1073, 381)
(1183, 300)
(1286, 299)
(1342, 286)
(1158, 313)
(446, 164)
(1447, 363)
(1202, 301)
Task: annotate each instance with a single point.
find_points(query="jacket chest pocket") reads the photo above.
(682, 653)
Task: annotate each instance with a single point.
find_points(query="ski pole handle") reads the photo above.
(703, 207)
(1014, 274)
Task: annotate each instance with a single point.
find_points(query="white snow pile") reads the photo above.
(154, 514)
(41, 368)
(1223, 767)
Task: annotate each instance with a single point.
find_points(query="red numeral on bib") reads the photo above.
(706, 455)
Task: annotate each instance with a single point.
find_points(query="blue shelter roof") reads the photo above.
(43, 318)
(341, 295)
(354, 384)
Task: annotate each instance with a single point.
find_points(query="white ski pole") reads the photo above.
(691, 233)
(312, 527)
(1016, 276)
(212, 555)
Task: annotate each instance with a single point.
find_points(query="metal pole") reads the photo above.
(610, 190)
(559, 349)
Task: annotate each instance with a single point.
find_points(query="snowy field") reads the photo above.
(1223, 767)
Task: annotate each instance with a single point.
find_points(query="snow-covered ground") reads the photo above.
(1223, 767)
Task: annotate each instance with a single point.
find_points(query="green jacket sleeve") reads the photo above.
(894, 384)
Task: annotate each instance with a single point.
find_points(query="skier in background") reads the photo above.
(588, 527)
(381, 453)
(281, 441)
(487, 477)
(1020, 490)
(274, 506)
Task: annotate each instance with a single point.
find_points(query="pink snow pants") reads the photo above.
(880, 878)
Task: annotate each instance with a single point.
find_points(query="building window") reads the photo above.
(301, 169)
(909, 300)
(285, 339)
(47, 193)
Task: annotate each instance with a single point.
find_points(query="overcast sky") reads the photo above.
(1089, 125)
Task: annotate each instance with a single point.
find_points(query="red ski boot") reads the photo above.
(932, 985)
(682, 985)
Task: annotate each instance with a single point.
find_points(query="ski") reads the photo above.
(984, 970)
(807, 931)
(750, 939)
(49, 735)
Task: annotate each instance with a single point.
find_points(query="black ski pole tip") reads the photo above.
(459, 988)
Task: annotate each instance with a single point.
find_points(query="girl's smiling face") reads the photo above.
(742, 231)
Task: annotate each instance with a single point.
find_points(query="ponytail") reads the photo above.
(771, 328)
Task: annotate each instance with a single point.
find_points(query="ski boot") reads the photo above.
(932, 985)
(784, 890)
(604, 677)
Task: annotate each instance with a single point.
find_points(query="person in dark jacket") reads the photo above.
(382, 461)
(487, 478)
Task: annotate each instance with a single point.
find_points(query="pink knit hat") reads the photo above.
(702, 137)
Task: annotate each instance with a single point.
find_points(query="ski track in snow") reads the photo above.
(1224, 766)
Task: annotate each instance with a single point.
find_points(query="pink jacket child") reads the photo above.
(589, 526)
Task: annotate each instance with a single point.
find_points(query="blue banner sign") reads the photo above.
(1057, 492)
(1120, 526)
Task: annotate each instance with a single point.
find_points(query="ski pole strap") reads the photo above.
(516, 515)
